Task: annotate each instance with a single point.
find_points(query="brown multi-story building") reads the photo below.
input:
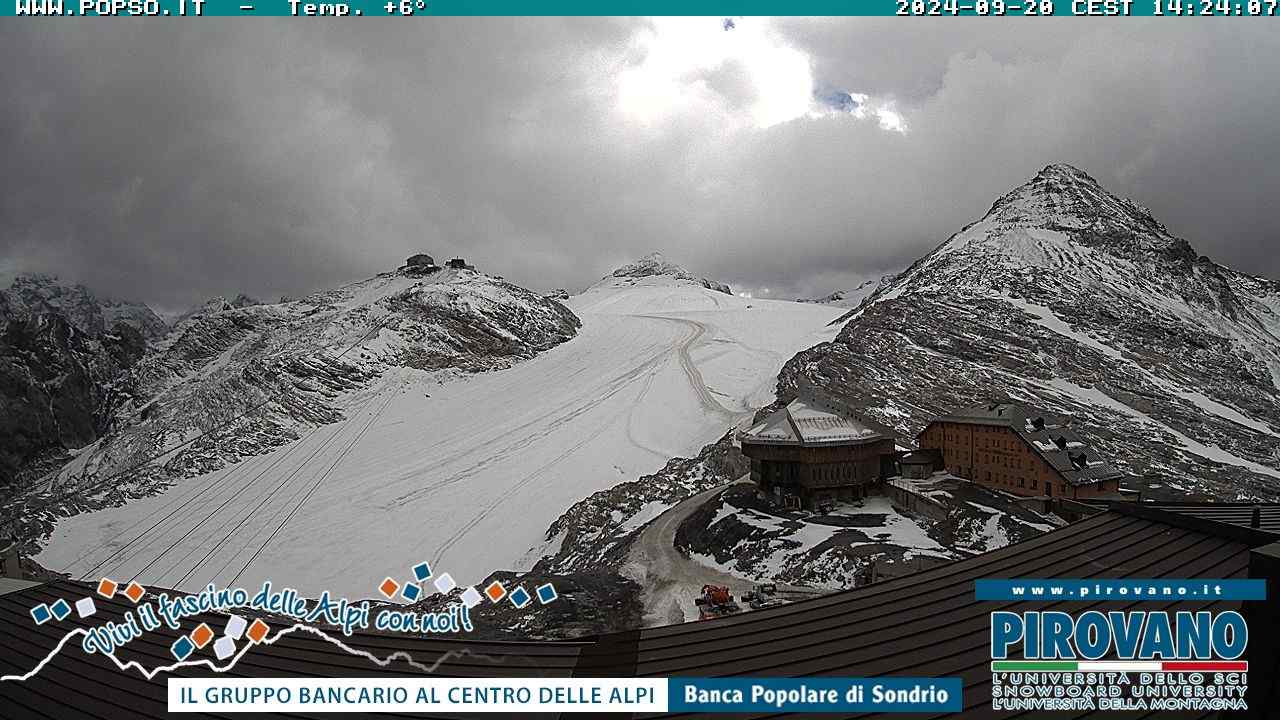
(1019, 450)
(814, 451)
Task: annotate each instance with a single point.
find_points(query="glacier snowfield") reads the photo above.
(463, 471)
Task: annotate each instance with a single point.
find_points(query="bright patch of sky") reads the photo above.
(741, 69)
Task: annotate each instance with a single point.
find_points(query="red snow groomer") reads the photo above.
(716, 601)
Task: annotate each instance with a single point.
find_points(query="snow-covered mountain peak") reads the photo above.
(655, 265)
(1064, 198)
(1079, 301)
(652, 264)
(1062, 233)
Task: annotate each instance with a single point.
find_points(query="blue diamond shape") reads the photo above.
(41, 614)
(60, 609)
(411, 592)
(422, 571)
(547, 593)
(520, 597)
(182, 648)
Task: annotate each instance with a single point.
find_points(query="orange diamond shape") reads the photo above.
(495, 591)
(202, 635)
(135, 591)
(107, 588)
(258, 630)
(389, 588)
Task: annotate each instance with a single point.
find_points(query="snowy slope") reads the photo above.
(464, 470)
(1072, 298)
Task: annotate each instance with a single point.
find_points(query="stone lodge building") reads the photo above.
(1020, 450)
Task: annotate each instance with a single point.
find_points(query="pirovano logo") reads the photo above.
(1120, 660)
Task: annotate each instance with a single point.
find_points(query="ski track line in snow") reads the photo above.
(230, 496)
(324, 476)
(189, 509)
(483, 514)
(185, 508)
(696, 381)
(547, 423)
(231, 470)
(363, 406)
(631, 416)
(263, 496)
(234, 494)
(48, 484)
(629, 411)
(298, 627)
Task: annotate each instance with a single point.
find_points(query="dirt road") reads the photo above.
(671, 579)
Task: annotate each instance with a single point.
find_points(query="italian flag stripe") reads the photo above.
(1117, 666)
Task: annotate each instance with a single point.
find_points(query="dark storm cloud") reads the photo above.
(172, 162)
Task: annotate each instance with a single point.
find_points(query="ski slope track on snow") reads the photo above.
(465, 471)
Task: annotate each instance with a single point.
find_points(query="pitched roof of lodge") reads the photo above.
(1063, 448)
(814, 421)
(927, 624)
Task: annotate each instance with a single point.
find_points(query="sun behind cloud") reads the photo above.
(741, 70)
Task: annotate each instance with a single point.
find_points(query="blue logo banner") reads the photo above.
(814, 695)
(1121, 589)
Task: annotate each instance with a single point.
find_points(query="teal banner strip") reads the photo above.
(45, 9)
(815, 695)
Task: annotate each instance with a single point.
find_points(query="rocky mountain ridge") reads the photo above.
(39, 294)
(64, 358)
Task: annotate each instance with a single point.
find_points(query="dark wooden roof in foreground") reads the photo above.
(926, 624)
(1242, 514)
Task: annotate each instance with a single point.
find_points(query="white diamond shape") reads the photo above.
(224, 647)
(235, 627)
(86, 607)
(470, 597)
(445, 583)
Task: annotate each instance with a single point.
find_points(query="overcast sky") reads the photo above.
(173, 161)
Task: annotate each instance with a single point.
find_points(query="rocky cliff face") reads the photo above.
(34, 294)
(236, 379)
(1069, 297)
(64, 362)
